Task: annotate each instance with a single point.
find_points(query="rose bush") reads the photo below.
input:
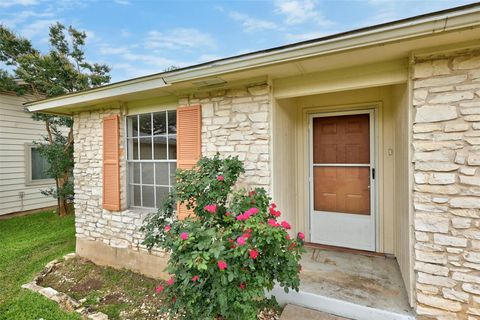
(225, 256)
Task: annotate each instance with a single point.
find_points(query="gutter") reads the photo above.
(433, 23)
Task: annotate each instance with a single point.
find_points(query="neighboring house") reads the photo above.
(368, 139)
(22, 168)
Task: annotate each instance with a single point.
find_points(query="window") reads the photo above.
(37, 166)
(151, 157)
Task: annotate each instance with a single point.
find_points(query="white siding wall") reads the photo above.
(16, 129)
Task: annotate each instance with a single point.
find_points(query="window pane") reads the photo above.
(146, 148)
(39, 165)
(146, 124)
(160, 123)
(161, 174)
(132, 146)
(135, 199)
(147, 173)
(173, 168)
(172, 121)
(162, 194)
(132, 126)
(134, 173)
(172, 147)
(160, 147)
(148, 196)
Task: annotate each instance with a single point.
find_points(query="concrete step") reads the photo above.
(332, 306)
(294, 312)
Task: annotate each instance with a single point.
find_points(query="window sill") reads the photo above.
(141, 210)
(43, 182)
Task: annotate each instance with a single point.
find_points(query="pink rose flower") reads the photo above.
(273, 205)
(171, 281)
(287, 237)
(212, 208)
(272, 222)
(241, 241)
(301, 236)
(195, 278)
(241, 217)
(184, 236)
(227, 214)
(242, 285)
(220, 178)
(159, 289)
(253, 210)
(222, 265)
(286, 225)
(253, 253)
(274, 212)
(167, 228)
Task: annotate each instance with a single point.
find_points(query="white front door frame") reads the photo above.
(371, 244)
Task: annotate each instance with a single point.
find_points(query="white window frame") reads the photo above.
(28, 168)
(129, 161)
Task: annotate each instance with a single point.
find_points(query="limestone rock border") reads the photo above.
(65, 302)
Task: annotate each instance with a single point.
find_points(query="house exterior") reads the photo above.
(367, 139)
(22, 168)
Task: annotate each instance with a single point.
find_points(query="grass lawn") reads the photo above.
(27, 244)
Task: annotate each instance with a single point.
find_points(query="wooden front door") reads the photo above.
(342, 171)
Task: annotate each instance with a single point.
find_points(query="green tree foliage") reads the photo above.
(225, 256)
(62, 70)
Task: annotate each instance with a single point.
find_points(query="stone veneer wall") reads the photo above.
(236, 122)
(114, 229)
(446, 142)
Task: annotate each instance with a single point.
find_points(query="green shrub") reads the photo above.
(225, 257)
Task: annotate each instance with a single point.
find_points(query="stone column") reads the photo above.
(446, 196)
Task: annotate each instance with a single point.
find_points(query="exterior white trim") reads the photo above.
(374, 216)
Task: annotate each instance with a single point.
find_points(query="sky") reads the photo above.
(137, 38)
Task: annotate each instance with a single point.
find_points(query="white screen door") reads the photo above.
(341, 180)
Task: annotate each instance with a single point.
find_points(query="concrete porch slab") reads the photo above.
(293, 312)
(350, 285)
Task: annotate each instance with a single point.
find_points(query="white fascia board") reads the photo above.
(97, 94)
(429, 25)
(422, 26)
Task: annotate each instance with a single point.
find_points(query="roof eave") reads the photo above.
(464, 17)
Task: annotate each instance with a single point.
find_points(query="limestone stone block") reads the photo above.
(439, 303)
(449, 240)
(456, 127)
(440, 81)
(426, 278)
(465, 202)
(431, 223)
(456, 295)
(435, 113)
(465, 63)
(431, 268)
(451, 97)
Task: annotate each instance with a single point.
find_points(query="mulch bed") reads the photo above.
(120, 294)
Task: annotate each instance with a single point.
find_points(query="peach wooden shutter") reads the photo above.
(189, 143)
(111, 163)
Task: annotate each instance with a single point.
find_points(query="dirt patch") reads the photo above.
(87, 285)
(121, 294)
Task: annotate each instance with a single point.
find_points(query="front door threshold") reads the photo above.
(336, 307)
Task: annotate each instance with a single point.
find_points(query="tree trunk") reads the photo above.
(63, 202)
(63, 206)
